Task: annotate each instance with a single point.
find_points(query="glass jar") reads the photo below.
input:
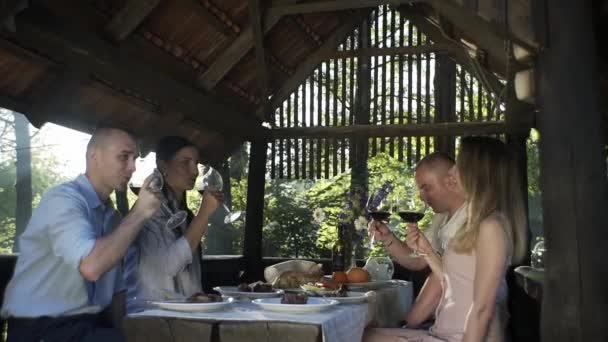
(537, 257)
(380, 268)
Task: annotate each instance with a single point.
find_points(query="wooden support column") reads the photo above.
(446, 101)
(573, 179)
(122, 202)
(254, 216)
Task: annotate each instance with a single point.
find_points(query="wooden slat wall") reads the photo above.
(402, 92)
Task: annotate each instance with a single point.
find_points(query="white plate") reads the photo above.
(313, 305)
(371, 285)
(233, 291)
(351, 298)
(181, 305)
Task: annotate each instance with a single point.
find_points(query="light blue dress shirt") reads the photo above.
(61, 232)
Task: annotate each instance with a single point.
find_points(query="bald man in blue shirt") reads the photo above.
(68, 283)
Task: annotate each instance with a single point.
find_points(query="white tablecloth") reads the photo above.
(344, 322)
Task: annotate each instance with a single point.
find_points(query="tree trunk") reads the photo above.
(23, 185)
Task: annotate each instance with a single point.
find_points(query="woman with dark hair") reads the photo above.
(472, 270)
(164, 260)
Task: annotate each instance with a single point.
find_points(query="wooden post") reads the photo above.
(23, 185)
(573, 178)
(446, 101)
(122, 202)
(254, 217)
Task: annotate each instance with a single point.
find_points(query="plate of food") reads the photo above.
(196, 303)
(295, 303)
(252, 291)
(340, 294)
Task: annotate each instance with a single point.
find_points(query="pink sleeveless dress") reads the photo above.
(453, 309)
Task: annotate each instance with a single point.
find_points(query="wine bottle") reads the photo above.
(338, 252)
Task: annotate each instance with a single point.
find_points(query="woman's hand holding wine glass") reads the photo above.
(417, 241)
(212, 180)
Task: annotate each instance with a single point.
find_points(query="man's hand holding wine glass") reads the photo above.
(148, 200)
(379, 231)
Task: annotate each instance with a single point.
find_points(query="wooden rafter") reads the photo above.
(8, 8)
(233, 54)
(414, 130)
(434, 32)
(333, 5)
(404, 50)
(210, 18)
(309, 64)
(129, 18)
(255, 17)
(84, 53)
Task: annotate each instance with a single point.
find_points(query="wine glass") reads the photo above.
(411, 209)
(212, 179)
(156, 183)
(378, 207)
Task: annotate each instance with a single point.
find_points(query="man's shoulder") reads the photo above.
(65, 192)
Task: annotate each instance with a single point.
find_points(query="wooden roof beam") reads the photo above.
(8, 8)
(84, 53)
(403, 50)
(332, 6)
(255, 17)
(312, 61)
(212, 19)
(129, 18)
(435, 33)
(414, 130)
(234, 53)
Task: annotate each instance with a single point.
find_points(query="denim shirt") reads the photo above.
(161, 259)
(62, 231)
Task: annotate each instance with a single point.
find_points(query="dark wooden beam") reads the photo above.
(252, 246)
(573, 178)
(83, 52)
(129, 18)
(233, 54)
(403, 50)
(414, 130)
(333, 5)
(210, 18)
(435, 33)
(309, 64)
(255, 17)
(8, 8)
(489, 37)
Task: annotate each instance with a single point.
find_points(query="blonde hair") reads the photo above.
(490, 178)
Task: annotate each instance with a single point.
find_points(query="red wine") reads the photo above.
(411, 216)
(135, 189)
(381, 216)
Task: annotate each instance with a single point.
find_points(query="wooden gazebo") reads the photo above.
(224, 72)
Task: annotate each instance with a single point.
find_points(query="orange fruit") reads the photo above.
(357, 275)
(339, 277)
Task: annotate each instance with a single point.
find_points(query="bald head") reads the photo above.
(103, 136)
(111, 154)
(438, 162)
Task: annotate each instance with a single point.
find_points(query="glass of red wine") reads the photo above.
(412, 209)
(378, 208)
(177, 218)
(211, 179)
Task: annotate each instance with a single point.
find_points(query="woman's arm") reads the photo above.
(491, 257)
(199, 224)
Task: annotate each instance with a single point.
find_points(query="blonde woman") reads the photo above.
(472, 270)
